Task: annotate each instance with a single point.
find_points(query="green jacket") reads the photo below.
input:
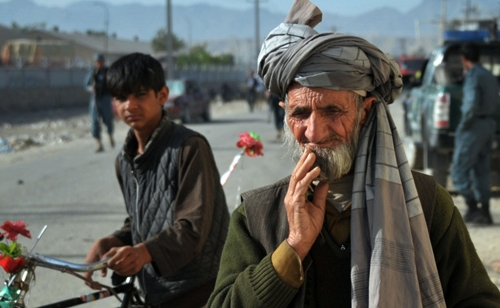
(247, 277)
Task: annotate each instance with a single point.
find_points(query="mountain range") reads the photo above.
(399, 32)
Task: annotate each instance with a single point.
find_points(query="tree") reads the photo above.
(198, 55)
(96, 33)
(159, 42)
(29, 27)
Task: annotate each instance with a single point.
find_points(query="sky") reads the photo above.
(342, 7)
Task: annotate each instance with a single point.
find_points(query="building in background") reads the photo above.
(45, 48)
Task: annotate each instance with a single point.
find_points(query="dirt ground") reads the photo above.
(24, 130)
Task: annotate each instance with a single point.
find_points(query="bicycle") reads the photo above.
(17, 286)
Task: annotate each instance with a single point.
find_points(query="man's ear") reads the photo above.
(367, 106)
(163, 95)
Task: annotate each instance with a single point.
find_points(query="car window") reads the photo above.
(412, 64)
(490, 59)
(450, 71)
(428, 72)
(175, 87)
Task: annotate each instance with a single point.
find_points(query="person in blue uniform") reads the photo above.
(474, 137)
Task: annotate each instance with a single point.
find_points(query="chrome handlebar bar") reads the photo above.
(20, 281)
(53, 263)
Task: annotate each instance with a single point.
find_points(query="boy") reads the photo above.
(177, 217)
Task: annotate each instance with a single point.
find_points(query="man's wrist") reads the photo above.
(288, 265)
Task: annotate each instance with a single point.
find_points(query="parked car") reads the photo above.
(432, 107)
(409, 66)
(187, 101)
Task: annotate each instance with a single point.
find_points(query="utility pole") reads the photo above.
(106, 26)
(257, 27)
(442, 24)
(189, 26)
(443, 19)
(467, 10)
(170, 47)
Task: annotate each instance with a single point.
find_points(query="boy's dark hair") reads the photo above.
(133, 73)
(470, 51)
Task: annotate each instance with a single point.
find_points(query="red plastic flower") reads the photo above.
(14, 228)
(11, 258)
(12, 265)
(250, 142)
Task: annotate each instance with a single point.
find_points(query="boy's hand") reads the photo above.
(128, 260)
(96, 253)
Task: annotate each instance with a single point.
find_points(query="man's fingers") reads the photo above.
(302, 169)
(305, 164)
(299, 168)
(320, 193)
(90, 282)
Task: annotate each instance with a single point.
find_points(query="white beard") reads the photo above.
(333, 162)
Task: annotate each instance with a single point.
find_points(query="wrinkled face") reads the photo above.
(327, 122)
(142, 111)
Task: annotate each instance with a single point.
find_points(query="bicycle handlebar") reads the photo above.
(61, 265)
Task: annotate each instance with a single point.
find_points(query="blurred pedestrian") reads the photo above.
(252, 84)
(474, 137)
(101, 106)
(225, 92)
(278, 113)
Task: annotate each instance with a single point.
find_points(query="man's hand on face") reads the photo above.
(305, 218)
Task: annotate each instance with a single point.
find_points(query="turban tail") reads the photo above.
(294, 51)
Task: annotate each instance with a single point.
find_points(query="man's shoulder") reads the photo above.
(423, 178)
(479, 70)
(426, 187)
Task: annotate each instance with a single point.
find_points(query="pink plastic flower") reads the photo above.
(250, 142)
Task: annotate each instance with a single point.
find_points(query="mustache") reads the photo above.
(332, 139)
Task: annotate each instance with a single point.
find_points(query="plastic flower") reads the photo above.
(251, 144)
(12, 229)
(11, 265)
(11, 258)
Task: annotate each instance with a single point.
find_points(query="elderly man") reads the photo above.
(352, 226)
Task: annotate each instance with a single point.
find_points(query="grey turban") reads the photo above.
(294, 51)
